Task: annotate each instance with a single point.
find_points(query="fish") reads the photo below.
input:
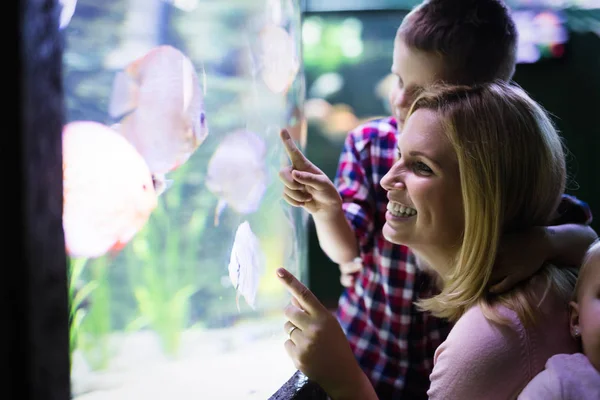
(237, 172)
(246, 265)
(184, 5)
(67, 9)
(160, 105)
(279, 59)
(108, 193)
(279, 12)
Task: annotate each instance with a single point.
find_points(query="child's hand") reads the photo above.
(306, 185)
(317, 344)
(519, 257)
(349, 271)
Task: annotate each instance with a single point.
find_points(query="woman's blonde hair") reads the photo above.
(512, 173)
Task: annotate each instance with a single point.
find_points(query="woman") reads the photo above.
(474, 164)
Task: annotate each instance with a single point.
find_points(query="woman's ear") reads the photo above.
(574, 320)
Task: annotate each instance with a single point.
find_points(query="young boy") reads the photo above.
(457, 41)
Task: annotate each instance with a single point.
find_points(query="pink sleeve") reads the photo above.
(543, 386)
(479, 360)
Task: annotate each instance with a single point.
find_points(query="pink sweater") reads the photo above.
(485, 361)
(566, 377)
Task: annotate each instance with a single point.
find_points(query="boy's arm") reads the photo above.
(355, 189)
(337, 236)
(570, 234)
(566, 244)
(563, 243)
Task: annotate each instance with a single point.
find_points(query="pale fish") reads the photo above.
(279, 58)
(279, 12)
(107, 189)
(159, 99)
(66, 12)
(184, 5)
(237, 172)
(246, 264)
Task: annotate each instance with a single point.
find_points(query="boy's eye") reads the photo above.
(400, 83)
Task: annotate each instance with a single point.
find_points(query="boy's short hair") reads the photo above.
(477, 39)
(591, 261)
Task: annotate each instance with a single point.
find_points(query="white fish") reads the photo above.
(159, 99)
(279, 12)
(184, 5)
(279, 58)
(237, 172)
(66, 12)
(246, 264)
(108, 190)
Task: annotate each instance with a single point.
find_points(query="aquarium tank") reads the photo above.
(173, 217)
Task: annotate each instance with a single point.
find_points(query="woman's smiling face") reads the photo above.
(425, 209)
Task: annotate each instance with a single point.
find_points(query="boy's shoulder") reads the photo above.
(377, 131)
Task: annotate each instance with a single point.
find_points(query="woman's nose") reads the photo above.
(393, 180)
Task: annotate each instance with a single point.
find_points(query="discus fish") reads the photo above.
(246, 265)
(237, 173)
(108, 190)
(161, 106)
(66, 12)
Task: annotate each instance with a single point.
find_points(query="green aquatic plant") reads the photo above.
(162, 276)
(77, 297)
(93, 331)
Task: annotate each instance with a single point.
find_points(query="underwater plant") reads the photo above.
(77, 299)
(93, 331)
(161, 280)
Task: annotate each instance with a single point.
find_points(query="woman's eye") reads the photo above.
(422, 167)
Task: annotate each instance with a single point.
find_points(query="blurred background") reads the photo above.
(347, 48)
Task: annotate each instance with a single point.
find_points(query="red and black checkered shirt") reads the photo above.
(392, 340)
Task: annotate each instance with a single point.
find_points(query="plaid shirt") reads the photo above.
(392, 340)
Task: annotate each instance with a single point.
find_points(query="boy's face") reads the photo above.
(415, 70)
(585, 316)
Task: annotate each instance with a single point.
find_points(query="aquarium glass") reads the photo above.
(156, 317)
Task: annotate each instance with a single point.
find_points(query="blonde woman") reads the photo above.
(473, 164)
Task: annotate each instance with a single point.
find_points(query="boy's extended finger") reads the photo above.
(308, 301)
(299, 161)
(285, 175)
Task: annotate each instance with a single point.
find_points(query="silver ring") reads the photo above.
(291, 330)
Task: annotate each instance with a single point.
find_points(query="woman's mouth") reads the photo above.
(400, 210)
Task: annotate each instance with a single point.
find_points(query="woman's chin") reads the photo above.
(392, 235)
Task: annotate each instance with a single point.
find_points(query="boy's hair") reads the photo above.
(591, 261)
(477, 39)
(512, 170)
